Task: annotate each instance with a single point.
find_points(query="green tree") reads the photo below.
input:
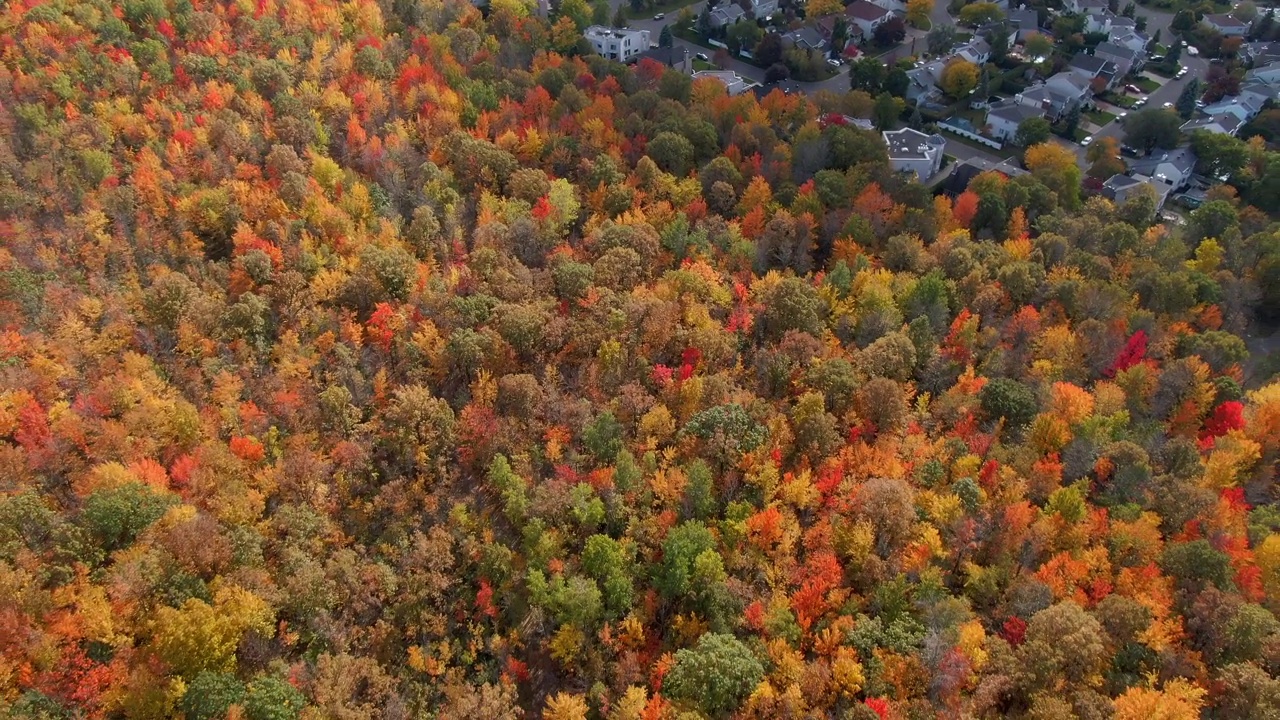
(1186, 104)
(673, 153)
(1218, 155)
(1152, 128)
(210, 695)
(1033, 131)
(941, 39)
(1008, 399)
(665, 39)
(270, 698)
(886, 111)
(114, 517)
(867, 74)
(674, 577)
(715, 676)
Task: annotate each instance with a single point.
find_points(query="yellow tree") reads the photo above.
(1104, 153)
(564, 706)
(918, 12)
(822, 8)
(1180, 700)
(1055, 166)
(959, 77)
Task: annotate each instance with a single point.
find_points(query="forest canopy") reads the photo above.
(397, 359)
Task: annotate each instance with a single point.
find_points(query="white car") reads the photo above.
(1167, 106)
(834, 62)
(702, 56)
(660, 16)
(1085, 142)
(1123, 114)
(1193, 51)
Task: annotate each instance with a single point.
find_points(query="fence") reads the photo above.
(951, 125)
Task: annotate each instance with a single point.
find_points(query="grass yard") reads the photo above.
(701, 65)
(1147, 84)
(1099, 117)
(1007, 152)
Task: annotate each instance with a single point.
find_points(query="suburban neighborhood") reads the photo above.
(1130, 90)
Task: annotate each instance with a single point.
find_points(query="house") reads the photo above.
(966, 170)
(617, 43)
(1260, 53)
(788, 87)
(805, 38)
(1173, 167)
(976, 51)
(1084, 6)
(1121, 25)
(893, 6)
(1091, 67)
(922, 82)
(764, 8)
(734, 83)
(1242, 108)
(1058, 95)
(911, 151)
(1004, 118)
(726, 15)
(1267, 74)
(677, 58)
(1224, 123)
(1119, 188)
(1022, 23)
(1099, 22)
(1134, 41)
(1258, 94)
(1125, 60)
(1226, 25)
(864, 17)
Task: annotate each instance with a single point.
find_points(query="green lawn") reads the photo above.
(1099, 117)
(1147, 84)
(700, 65)
(1124, 101)
(1008, 151)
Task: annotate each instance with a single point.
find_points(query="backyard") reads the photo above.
(1147, 85)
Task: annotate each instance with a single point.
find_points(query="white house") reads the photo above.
(1223, 123)
(617, 43)
(1226, 25)
(1240, 107)
(1099, 22)
(1004, 118)
(864, 17)
(976, 51)
(1125, 59)
(912, 151)
(1173, 168)
(734, 83)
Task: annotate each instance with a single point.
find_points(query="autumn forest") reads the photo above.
(399, 359)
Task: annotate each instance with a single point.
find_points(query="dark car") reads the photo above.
(1128, 151)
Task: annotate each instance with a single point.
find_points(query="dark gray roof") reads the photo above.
(1089, 63)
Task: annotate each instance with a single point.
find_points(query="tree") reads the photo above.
(768, 51)
(673, 153)
(897, 82)
(1186, 104)
(959, 78)
(114, 517)
(890, 32)
(1104, 156)
(210, 695)
(1218, 155)
(941, 39)
(822, 8)
(665, 39)
(714, 676)
(600, 15)
(1055, 166)
(918, 12)
(980, 13)
(1010, 400)
(1038, 45)
(1152, 128)
(866, 74)
(1071, 122)
(1033, 131)
(270, 698)
(886, 111)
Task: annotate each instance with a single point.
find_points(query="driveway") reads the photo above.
(1197, 67)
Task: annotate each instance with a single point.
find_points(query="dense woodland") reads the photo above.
(396, 360)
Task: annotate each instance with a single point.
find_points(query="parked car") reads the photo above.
(834, 62)
(1133, 89)
(1123, 114)
(1128, 151)
(660, 16)
(1180, 74)
(1193, 51)
(703, 57)
(1167, 106)
(1140, 102)
(1184, 43)
(1085, 142)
